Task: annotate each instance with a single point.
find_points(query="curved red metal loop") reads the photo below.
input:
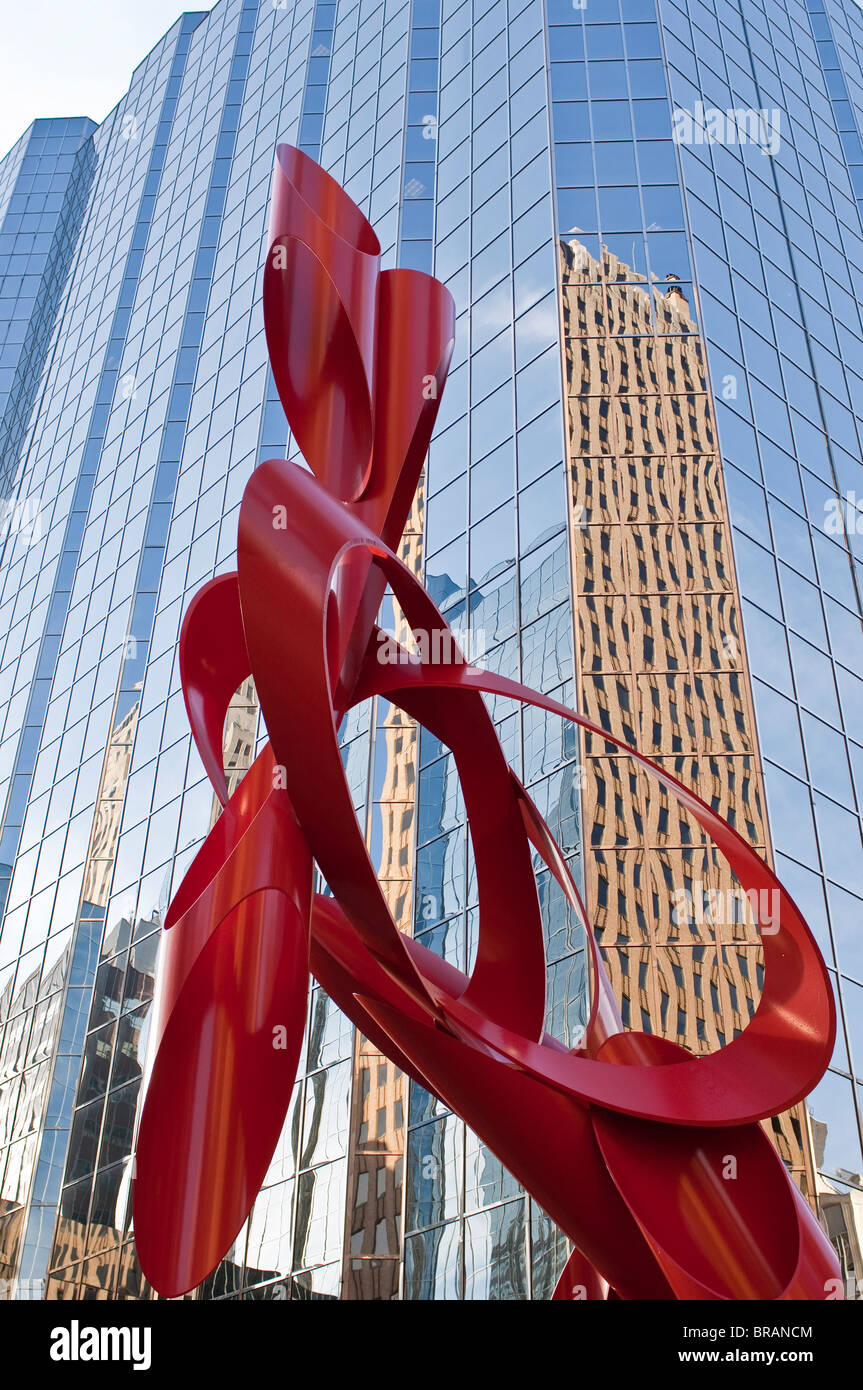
(227, 1027)
(747, 1080)
(621, 1140)
(213, 664)
(320, 291)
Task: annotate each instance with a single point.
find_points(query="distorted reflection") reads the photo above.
(661, 659)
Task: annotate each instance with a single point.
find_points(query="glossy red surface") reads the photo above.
(624, 1140)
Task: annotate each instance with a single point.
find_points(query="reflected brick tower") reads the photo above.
(661, 663)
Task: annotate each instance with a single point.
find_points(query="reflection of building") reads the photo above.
(842, 1216)
(840, 1204)
(661, 664)
(94, 1216)
(28, 1043)
(135, 401)
(376, 1143)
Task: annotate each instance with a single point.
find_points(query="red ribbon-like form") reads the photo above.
(624, 1140)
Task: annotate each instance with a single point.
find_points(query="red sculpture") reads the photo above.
(622, 1140)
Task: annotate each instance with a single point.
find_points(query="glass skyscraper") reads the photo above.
(644, 495)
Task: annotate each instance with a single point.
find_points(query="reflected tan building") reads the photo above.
(30, 1043)
(376, 1153)
(661, 664)
(24, 1075)
(93, 1254)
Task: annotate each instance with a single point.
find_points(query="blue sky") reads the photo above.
(74, 58)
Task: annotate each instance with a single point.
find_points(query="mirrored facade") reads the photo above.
(644, 495)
